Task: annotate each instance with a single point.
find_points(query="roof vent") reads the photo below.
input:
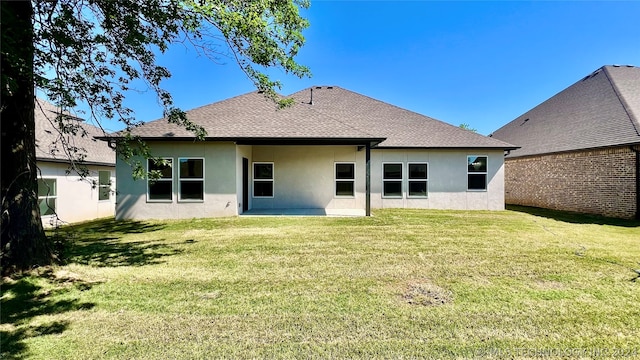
(329, 87)
(525, 121)
(318, 87)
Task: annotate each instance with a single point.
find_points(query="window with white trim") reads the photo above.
(160, 188)
(345, 179)
(47, 196)
(104, 185)
(263, 179)
(191, 179)
(392, 180)
(476, 173)
(418, 177)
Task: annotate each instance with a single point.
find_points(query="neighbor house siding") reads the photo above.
(600, 181)
(447, 179)
(220, 197)
(77, 198)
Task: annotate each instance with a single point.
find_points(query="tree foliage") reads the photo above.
(95, 52)
(467, 127)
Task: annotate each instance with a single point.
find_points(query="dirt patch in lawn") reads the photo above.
(422, 292)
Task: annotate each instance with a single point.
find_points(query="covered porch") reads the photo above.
(307, 177)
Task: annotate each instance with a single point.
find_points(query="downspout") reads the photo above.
(368, 181)
(636, 149)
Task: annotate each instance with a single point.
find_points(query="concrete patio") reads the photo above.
(305, 212)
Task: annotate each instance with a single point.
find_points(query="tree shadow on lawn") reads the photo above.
(24, 298)
(101, 243)
(573, 217)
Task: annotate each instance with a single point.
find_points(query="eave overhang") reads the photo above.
(266, 140)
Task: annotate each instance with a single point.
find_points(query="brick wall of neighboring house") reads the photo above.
(599, 181)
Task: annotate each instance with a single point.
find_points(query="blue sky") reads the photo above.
(479, 63)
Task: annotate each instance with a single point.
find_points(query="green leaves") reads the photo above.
(94, 51)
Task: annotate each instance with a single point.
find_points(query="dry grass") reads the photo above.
(404, 283)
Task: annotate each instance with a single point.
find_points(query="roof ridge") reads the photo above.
(627, 109)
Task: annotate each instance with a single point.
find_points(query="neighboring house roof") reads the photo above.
(49, 138)
(600, 110)
(334, 113)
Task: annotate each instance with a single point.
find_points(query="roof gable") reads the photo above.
(599, 110)
(322, 112)
(49, 144)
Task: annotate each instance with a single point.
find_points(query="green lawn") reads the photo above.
(522, 283)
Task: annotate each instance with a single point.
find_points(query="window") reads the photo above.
(104, 185)
(392, 180)
(418, 177)
(345, 179)
(262, 179)
(161, 188)
(191, 179)
(47, 195)
(476, 172)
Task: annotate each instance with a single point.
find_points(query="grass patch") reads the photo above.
(403, 283)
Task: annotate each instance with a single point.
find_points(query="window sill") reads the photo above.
(392, 197)
(478, 190)
(190, 201)
(160, 201)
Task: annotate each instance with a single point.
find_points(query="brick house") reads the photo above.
(580, 149)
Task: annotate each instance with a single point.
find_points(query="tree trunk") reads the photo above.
(24, 244)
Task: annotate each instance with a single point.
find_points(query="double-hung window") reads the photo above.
(104, 185)
(263, 179)
(392, 180)
(191, 179)
(476, 173)
(47, 196)
(345, 178)
(160, 180)
(418, 177)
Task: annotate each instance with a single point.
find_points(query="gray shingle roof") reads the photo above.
(336, 113)
(599, 110)
(49, 144)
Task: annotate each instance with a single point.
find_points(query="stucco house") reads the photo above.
(580, 149)
(333, 152)
(63, 195)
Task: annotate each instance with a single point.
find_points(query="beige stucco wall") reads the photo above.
(220, 197)
(447, 183)
(304, 177)
(77, 198)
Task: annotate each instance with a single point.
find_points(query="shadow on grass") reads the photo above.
(103, 243)
(29, 296)
(573, 217)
